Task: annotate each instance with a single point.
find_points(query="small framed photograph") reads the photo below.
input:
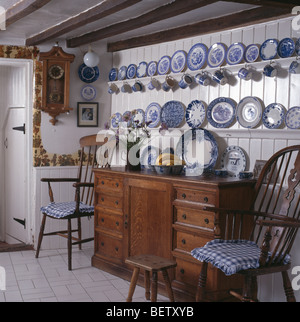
(87, 114)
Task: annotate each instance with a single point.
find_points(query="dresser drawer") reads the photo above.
(203, 219)
(108, 246)
(109, 183)
(204, 197)
(109, 222)
(187, 242)
(109, 201)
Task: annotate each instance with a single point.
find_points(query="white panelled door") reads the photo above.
(15, 175)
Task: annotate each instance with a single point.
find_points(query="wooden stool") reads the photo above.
(153, 264)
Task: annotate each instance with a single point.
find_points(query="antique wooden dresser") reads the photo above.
(145, 213)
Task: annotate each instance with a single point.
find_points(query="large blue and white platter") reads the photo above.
(286, 48)
(235, 53)
(199, 149)
(251, 53)
(131, 71)
(148, 156)
(221, 112)
(216, 55)
(152, 114)
(268, 50)
(178, 61)
(197, 57)
(142, 69)
(152, 68)
(164, 65)
(88, 74)
(195, 114)
(172, 114)
(249, 111)
(122, 73)
(292, 118)
(273, 116)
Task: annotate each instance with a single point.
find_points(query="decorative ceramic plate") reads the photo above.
(297, 47)
(148, 156)
(116, 119)
(199, 149)
(164, 65)
(172, 114)
(268, 49)
(251, 53)
(292, 118)
(122, 73)
(178, 61)
(233, 160)
(138, 115)
(195, 114)
(113, 75)
(249, 112)
(273, 116)
(286, 48)
(221, 112)
(235, 53)
(127, 117)
(142, 70)
(197, 57)
(131, 71)
(216, 55)
(153, 113)
(152, 68)
(88, 93)
(88, 74)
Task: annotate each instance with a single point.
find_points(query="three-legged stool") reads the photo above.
(150, 264)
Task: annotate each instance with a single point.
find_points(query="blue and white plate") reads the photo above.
(88, 93)
(148, 156)
(235, 53)
(286, 48)
(251, 53)
(153, 113)
(197, 57)
(122, 73)
(115, 120)
(88, 74)
(195, 114)
(113, 74)
(152, 68)
(178, 61)
(164, 65)
(138, 115)
(172, 114)
(127, 117)
(216, 55)
(268, 50)
(199, 149)
(249, 111)
(297, 47)
(233, 160)
(142, 70)
(292, 118)
(131, 71)
(221, 112)
(273, 116)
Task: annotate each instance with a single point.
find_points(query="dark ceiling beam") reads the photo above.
(22, 9)
(269, 3)
(247, 17)
(169, 10)
(102, 10)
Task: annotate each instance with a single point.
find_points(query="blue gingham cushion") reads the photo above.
(64, 209)
(230, 256)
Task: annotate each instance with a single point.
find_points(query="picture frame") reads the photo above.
(87, 114)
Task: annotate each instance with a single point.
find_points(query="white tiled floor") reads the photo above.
(47, 279)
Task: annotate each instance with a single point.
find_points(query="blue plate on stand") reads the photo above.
(251, 53)
(153, 113)
(221, 112)
(216, 55)
(122, 73)
(268, 49)
(113, 75)
(195, 114)
(152, 68)
(142, 70)
(172, 114)
(131, 71)
(164, 65)
(286, 48)
(197, 57)
(88, 74)
(235, 53)
(178, 61)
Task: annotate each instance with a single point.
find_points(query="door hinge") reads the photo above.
(20, 128)
(20, 221)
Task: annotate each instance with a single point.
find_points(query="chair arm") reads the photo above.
(59, 180)
(83, 184)
(289, 222)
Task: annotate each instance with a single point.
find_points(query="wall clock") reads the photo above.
(56, 82)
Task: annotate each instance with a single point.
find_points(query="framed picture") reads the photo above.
(87, 114)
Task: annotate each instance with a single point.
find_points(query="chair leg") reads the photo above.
(41, 236)
(200, 295)
(69, 245)
(289, 293)
(247, 289)
(154, 287)
(147, 285)
(135, 276)
(168, 285)
(79, 231)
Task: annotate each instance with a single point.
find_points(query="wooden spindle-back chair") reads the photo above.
(82, 206)
(275, 213)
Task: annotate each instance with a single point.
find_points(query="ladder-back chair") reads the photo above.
(264, 248)
(82, 206)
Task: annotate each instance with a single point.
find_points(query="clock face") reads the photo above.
(56, 72)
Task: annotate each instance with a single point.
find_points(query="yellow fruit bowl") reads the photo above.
(169, 169)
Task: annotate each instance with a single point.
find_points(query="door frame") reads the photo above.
(28, 213)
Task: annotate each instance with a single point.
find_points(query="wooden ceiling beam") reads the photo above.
(102, 10)
(269, 3)
(169, 10)
(247, 17)
(22, 9)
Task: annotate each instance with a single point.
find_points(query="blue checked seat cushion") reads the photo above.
(230, 256)
(64, 209)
